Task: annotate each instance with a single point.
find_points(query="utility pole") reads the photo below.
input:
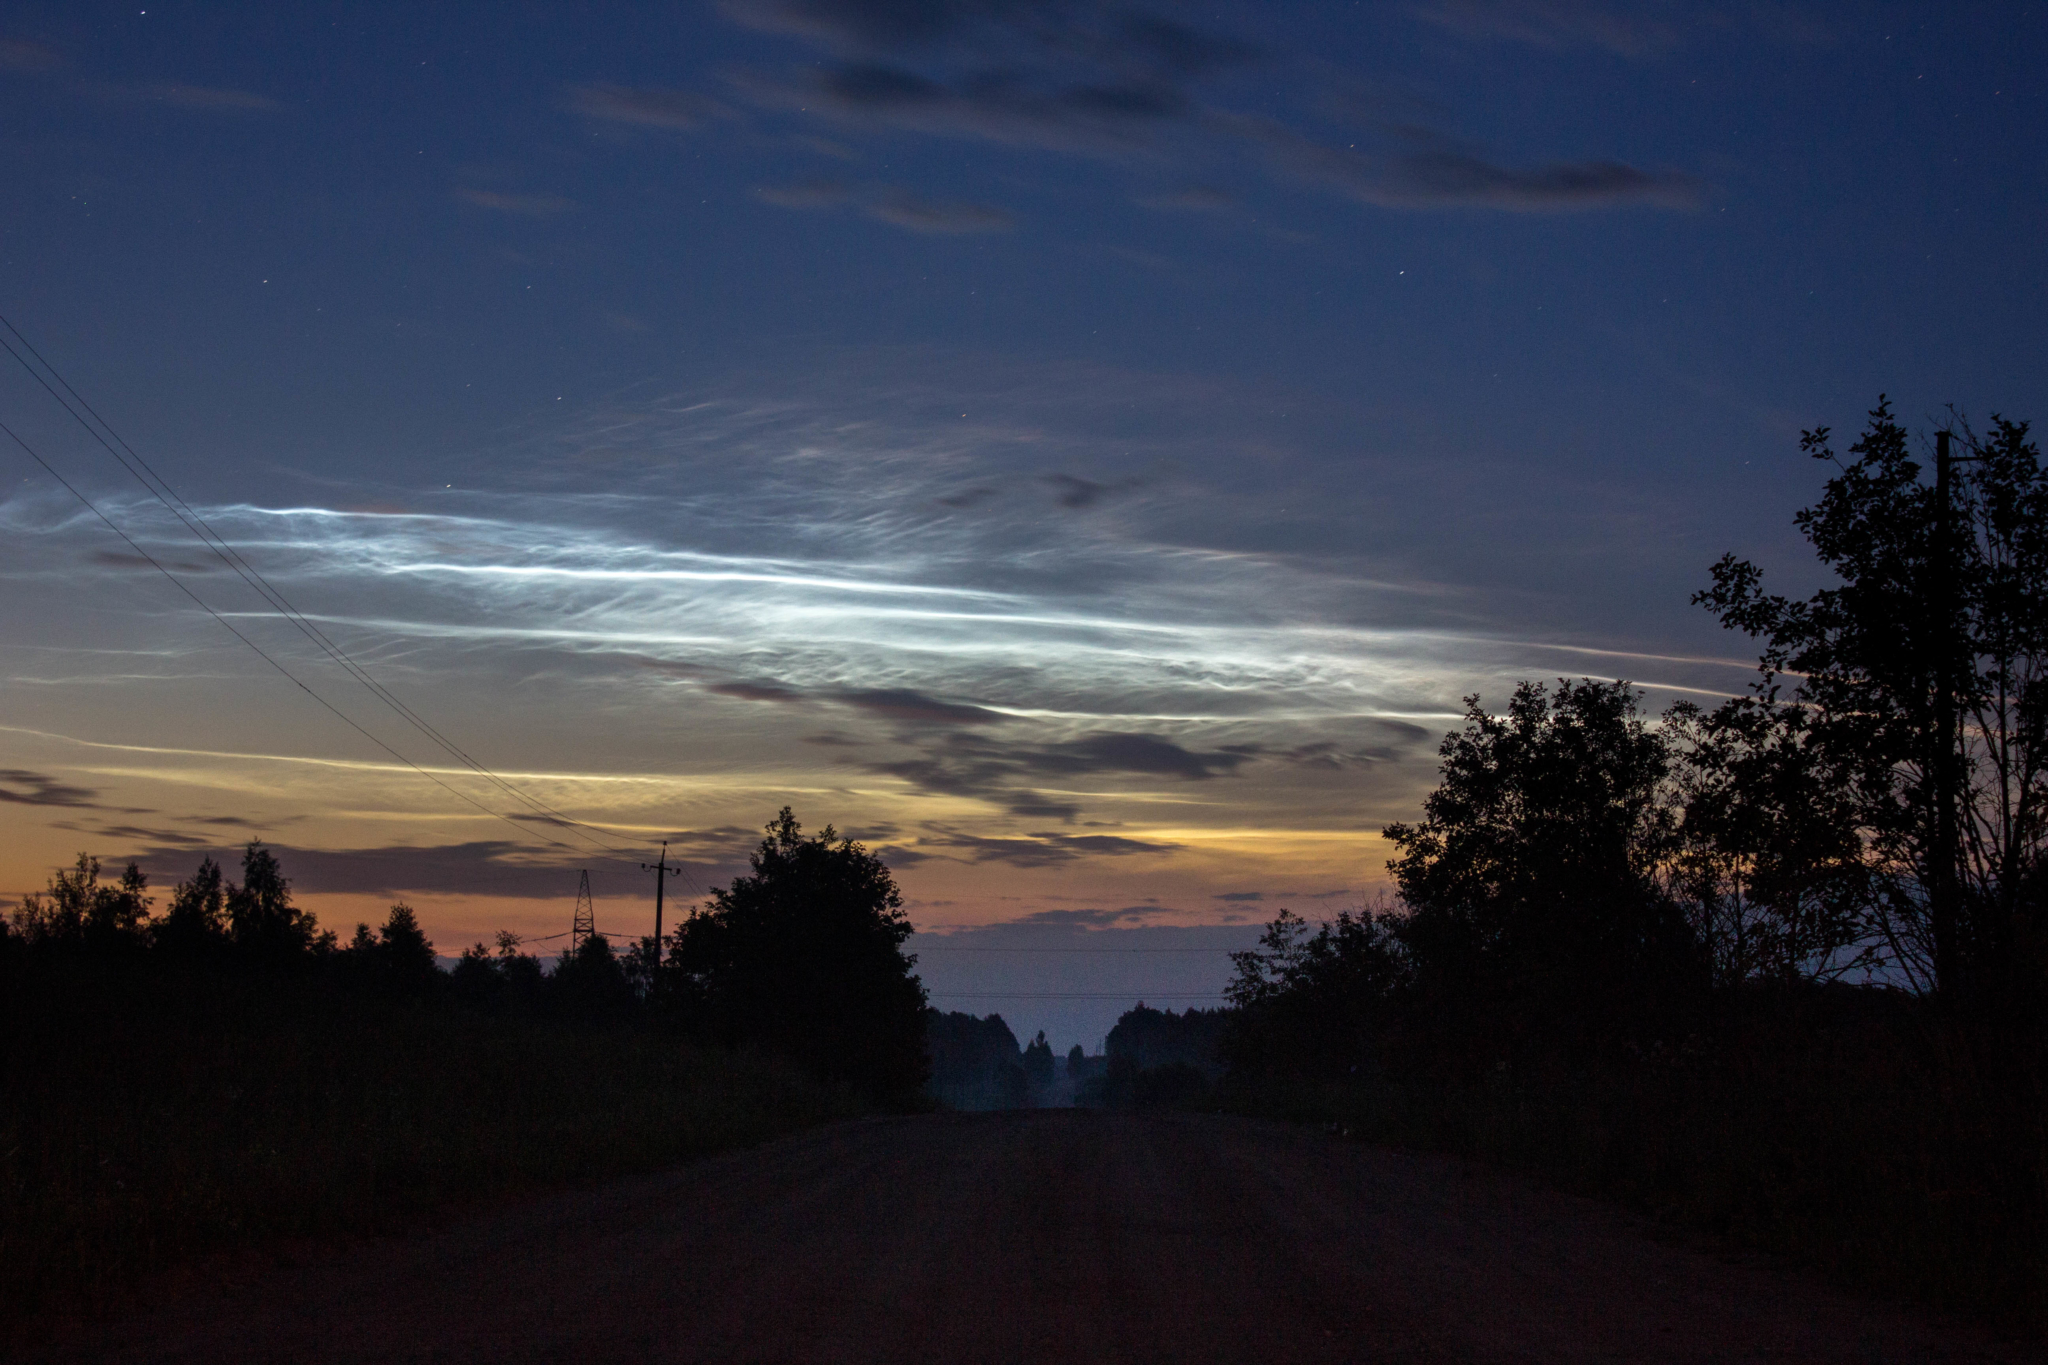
(1946, 771)
(584, 923)
(662, 872)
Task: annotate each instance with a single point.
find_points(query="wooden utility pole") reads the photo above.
(1947, 771)
(662, 872)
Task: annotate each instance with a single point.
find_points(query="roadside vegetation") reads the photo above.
(225, 1076)
(1776, 969)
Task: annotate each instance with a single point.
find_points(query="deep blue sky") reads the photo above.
(1225, 390)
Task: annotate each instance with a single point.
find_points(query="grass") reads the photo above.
(149, 1119)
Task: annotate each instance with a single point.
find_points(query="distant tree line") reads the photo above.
(977, 1064)
(1157, 1059)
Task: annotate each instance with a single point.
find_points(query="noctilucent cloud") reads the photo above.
(1086, 451)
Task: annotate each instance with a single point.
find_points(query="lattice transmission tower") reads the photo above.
(585, 922)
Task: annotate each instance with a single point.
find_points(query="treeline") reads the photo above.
(1778, 967)
(1157, 1059)
(802, 959)
(218, 927)
(977, 1064)
(1152, 1059)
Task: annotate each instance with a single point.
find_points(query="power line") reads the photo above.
(261, 654)
(161, 489)
(922, 949)
(1075, 995)
(606, 935)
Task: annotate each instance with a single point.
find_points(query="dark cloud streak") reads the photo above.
(44, 790)
(1045, 848)
(1632, 31)
(1112, 79)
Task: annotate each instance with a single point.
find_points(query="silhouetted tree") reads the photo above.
(590, 983)
(505, 979)
(475, 980)
(397, 960)
(1768, 860)
(975, 1063)
(805, 958)
(78, 911)
(1148, 1037)
(1532, 880)
(521, 973)
(1038, 1064)
(119, 912)
(261, 917)
(407, 952)
(1157, 1059)
(196, 921)
(1923, 676)
(1315, 1003)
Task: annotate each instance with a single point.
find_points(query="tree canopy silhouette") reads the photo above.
(261, 916)
(804, 958)
(1919, 690)
(1533, 874)
(975, 1063)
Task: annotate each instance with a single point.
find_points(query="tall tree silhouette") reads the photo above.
(197, 917)
(591, 983)
(261, 917)
(397, 960)
(804, 957)
(1532, 877)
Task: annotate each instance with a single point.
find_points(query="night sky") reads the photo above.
(1084, 450)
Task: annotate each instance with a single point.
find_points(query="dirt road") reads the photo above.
(1040, 1237)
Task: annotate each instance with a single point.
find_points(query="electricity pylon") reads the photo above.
(585, 922)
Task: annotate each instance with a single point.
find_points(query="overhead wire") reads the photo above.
(161, 489)
(1074, 995)
(925, 948)
(260, 652)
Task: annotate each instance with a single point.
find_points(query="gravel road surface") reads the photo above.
(1039, 1237)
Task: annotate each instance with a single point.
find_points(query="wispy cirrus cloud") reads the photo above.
(890, 204)
(901, 704)
(521, 205)
(1122, 917)
(20, 54)
(804, 194)
(1644, 28)
(906, 210)
(1008, 774)
(208, 97)
(1635, 29)
(676, 110)
(794, 583)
